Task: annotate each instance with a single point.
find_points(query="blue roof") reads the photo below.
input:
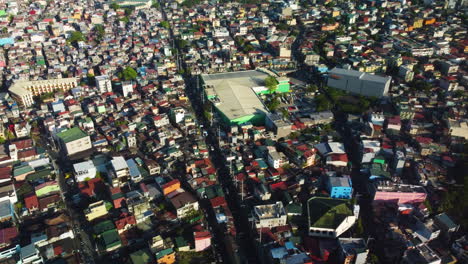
(279, 253)
(134, 172)
(5, 41)
(28, 251)
(289, 245)
(5, 209)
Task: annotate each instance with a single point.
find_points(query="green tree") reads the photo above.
(372, 259)
(2, 140)
(312, 88)
(125, 19)
(128, 11)
(9, 135)
(128, 74)
(248, 48)
(322, 103)
(155, 4)
(273, 104)
(99, 29)
(165, 24)
(181, 43)
(114, 6)
(271, 83)
(75, 37)
(282, 26)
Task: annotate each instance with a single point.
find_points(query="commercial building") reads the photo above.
(137, 4)
(340, 187)
(357, 82)
(458, 128)
(84, 170)
(399, 193)
(96, 210)
(235, 95)
(103, 83)
(74, 140)
(23, 91)
(120, 170)
(184, 203)
(330, 217)
(354, 250)
(270, 215)
(279, 125)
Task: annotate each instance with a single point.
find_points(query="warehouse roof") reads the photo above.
(234, 91)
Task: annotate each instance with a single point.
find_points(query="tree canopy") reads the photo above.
(165, 24)
(271, 83)
(128, 74)
(75, 37)
(99, 29)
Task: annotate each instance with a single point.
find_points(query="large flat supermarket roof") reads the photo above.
(235, 94)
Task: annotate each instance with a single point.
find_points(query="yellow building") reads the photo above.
(23, 91)
(335, 12)
(166, 256)
(418, 23)
(96, 210)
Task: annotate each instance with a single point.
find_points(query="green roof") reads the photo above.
(164, 252)
(2, 13)
(294, 208)
(116, 196)
(381, 161)
(141, 257)
(38, 175)
(103, 227)
(22, 170)
(180, 242)
(110, 238)
(71, 134)
(326, 212)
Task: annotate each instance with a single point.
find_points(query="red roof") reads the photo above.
(118, 202)
(279, 186)
(7, 235)
(31, 202)
(116, 190)
(128, 220)
(27, 153)
(5, 173)
(202, 235)
(217, 201)
(58, 250)
(339, 157)
(143, 187)
(175, 181)
(23, 144)
(84, 189)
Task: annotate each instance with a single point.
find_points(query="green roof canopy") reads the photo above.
(326, 212)
(71, 134)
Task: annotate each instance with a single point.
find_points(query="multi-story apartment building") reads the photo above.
(24, 91)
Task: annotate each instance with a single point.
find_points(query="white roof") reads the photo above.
(119, 163)
(83, 166)
(336, 147)
(330, 148)
(367, 157)
(234, 90)
(38, 162)
(372, 144)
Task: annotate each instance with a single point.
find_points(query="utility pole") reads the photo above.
(242, 187)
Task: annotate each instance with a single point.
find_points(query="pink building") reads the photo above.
(202, 240)
(400, 194)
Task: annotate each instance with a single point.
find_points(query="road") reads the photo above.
(218, 234)
(82, 241)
